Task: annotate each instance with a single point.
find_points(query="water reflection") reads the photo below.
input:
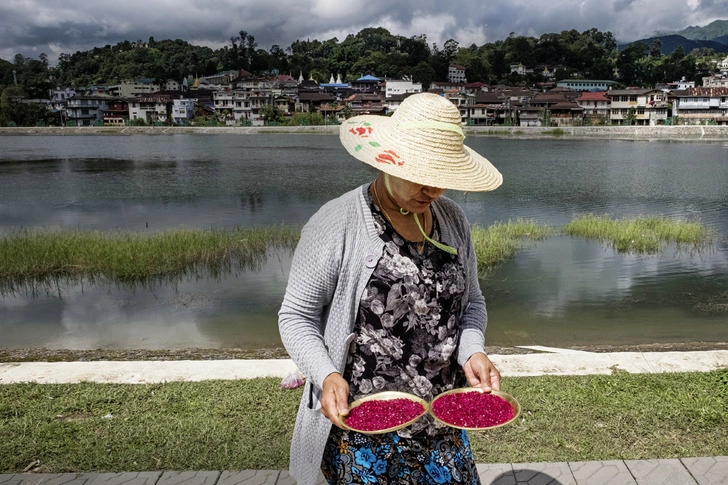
(562, 291)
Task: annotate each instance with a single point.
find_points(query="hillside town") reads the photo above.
(238, 98)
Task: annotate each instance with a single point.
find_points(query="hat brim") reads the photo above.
(432, 157)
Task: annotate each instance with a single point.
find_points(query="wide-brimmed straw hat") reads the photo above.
(421, 142)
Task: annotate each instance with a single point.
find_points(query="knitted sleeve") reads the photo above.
(311, 284)
(475, 317)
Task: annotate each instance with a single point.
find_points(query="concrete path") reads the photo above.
(685, 471)
(554, 362)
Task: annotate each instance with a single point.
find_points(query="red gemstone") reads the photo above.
(472, 409)
(379, 414)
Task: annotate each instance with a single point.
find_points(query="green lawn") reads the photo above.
(216, 425)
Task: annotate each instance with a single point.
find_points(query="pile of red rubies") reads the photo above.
(472, 409)
(379, 414)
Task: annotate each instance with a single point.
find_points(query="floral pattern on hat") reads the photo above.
(389, 157)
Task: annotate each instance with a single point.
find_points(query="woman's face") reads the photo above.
(413, 197)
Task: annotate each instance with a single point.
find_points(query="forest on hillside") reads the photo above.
(591, 54)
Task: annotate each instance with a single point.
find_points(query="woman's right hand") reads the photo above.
(335, 397)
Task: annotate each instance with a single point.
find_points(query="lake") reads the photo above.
(559, 292)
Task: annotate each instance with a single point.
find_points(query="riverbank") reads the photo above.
(677, 133)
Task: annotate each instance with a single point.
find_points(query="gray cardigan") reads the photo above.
(335, 257)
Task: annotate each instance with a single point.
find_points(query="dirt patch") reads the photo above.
(63, 355)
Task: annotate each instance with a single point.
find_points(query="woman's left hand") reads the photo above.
(480, 371)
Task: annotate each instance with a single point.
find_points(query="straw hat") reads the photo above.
(421, 142)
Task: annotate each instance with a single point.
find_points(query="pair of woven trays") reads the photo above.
(389, 395)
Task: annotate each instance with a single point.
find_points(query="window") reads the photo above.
(633, 99)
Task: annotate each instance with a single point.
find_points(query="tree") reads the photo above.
(12, 108)
(424, 74)
(271, 114)
(656, 48)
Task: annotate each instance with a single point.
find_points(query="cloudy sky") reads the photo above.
(32, 27)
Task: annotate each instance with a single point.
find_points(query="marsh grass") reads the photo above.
(647, 235)
(46, 255)
(42, 259)
(247, 424)
(502, 241)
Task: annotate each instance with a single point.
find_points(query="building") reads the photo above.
(595, 104)
(456, 74)
(520, 69)
(395, 100)
(649, 105)
(716, 81)
(395, 87)
(87, 110)
(117, 114)
(183, 110)
(723, 65)
(151, 109)
(366, 104)
(139, 87)
(702, 105)
(366, 84)
(585, 84)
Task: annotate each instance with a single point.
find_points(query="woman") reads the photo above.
(383, 294)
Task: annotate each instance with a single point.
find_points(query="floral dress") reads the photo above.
(407, 334)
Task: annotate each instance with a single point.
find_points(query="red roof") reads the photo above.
(593, 96)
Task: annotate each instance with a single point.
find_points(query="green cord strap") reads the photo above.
(439, 245)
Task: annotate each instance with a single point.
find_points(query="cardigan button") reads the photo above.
(370, 261)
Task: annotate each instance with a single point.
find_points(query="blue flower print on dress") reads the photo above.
(438, 473)
(365, 457)
(380, 466)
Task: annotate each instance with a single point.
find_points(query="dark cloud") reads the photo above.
(30, 27)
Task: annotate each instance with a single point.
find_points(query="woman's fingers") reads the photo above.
(480, 371)
(335, 397)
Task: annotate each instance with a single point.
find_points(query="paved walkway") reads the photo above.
(683, 471)
(552, 362)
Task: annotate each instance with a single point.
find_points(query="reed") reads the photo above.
(44, 255)
(502, 241)
(642, 234)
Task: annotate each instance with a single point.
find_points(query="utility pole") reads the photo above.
(15, 78)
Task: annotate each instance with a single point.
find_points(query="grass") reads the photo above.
(502, 241)
(641, 235)
(217, 425)
(40, 256)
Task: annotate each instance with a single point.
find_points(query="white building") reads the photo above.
(700, 105)
(394, 87)
(149, 109)
(456, 74)
(183, 109)
(650, 106)
(715, 81)
(723, 65)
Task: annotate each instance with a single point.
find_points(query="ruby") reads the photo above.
(379, 414)
(472, 409)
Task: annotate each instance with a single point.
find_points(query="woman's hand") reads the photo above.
(480, 371)
(335, 397)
